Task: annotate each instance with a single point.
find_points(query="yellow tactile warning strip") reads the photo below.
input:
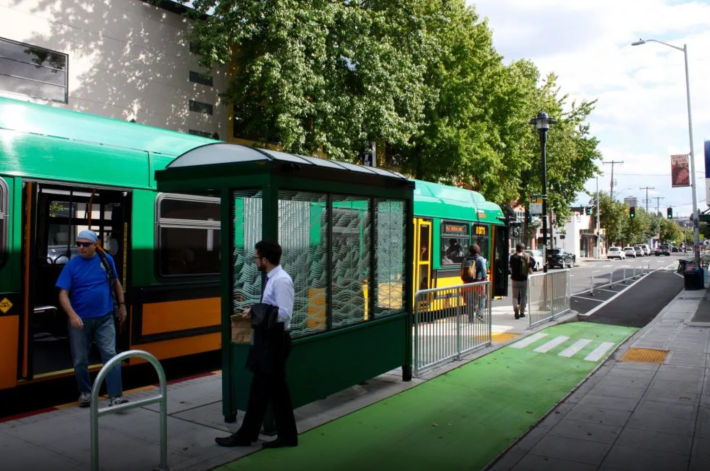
(645, 355)
(499, 337)
(502, 337)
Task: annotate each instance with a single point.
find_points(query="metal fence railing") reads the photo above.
(617, 276)
(549, 296)
(449, 322)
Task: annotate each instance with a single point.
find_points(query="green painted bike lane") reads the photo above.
(460, 420)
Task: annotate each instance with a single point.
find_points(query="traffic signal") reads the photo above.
(589, 211)
(632, 212)
(669, 213)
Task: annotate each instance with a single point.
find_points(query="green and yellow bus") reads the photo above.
(63, 171)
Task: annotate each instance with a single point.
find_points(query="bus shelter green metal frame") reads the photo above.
(352, 320)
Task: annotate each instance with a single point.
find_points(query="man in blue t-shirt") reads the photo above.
(85, 295)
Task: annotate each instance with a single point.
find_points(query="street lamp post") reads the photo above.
(696, 238)
(542, 123)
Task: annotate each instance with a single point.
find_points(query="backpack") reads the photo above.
(525, 264)
(470, 267)
(468, 270)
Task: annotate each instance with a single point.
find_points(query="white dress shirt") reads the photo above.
(279, 292)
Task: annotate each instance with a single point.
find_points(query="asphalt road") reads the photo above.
(642, 302)
(600, 273)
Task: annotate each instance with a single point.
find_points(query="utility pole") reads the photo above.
(658, 203)
(612, 163)
(599, 234)
(647, 188)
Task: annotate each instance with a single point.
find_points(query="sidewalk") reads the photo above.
(647, 408)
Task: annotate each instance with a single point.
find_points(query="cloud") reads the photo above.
(641, 114)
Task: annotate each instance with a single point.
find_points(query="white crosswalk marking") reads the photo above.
(527, 341)
(576, 347)
(599, 351)
(552, 344)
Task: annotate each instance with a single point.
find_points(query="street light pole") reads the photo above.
(599, 235)
(696, 224)
(542, 123)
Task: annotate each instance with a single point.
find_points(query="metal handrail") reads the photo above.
(446, 306)
(560, 302)
(162, 399)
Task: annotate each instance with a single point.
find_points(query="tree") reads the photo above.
(612, 217)
(670, 232)
(475, 127)
(318, 76)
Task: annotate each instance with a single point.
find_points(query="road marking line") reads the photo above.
(589, 299)
(617, 294)
(527, 341)
(599, 351)
(552, 344)
(607, 290)
(575, 348)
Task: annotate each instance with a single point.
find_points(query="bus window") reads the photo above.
(3, 221)
(424, 249)
(454, 243)
(482, 237)
(188, 235)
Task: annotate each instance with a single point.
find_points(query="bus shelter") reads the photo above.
(345, 232)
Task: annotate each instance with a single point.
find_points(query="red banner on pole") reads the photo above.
(680, 171)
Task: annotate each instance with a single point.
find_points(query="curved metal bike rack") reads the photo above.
(162, 398)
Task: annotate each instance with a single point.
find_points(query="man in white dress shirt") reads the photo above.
(268, 384)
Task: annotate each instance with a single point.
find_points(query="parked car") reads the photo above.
(639, 251)
(663, 250)
(616, 252)
(646, 249)
(560, 258)
(630, 252)
(537, 256)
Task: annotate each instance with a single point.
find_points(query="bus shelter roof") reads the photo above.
(214, 164)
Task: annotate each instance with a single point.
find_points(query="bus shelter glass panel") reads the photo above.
(303, 235)
(390, 247)
(351, 256)
(247, 220)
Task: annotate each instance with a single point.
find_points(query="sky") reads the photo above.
(641, 116)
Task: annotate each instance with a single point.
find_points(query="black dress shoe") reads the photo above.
(232, 440)
(279, 443)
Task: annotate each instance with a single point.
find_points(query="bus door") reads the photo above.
(422, 256)
(58, 214)
(500, 261)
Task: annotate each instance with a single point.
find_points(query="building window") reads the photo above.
(3, 221)
(193, 48)
(33, 71)
(188, 233)
(200, 107)
(454, 242)
(197, 77)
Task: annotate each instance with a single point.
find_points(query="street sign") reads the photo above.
(536, 205)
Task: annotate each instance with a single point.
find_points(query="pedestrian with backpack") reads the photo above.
(521, 265)
(473, 270)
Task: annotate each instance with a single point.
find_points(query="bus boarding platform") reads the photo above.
(552, 387)
(58, 438)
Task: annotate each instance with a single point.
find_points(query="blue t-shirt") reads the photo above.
(89, 291)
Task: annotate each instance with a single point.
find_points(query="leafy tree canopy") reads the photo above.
(420, 77)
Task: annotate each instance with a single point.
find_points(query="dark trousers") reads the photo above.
(270, 389)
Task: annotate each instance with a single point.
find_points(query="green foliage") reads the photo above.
(670, 232)
(420, 77)
(318, 76)
(612, 217)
